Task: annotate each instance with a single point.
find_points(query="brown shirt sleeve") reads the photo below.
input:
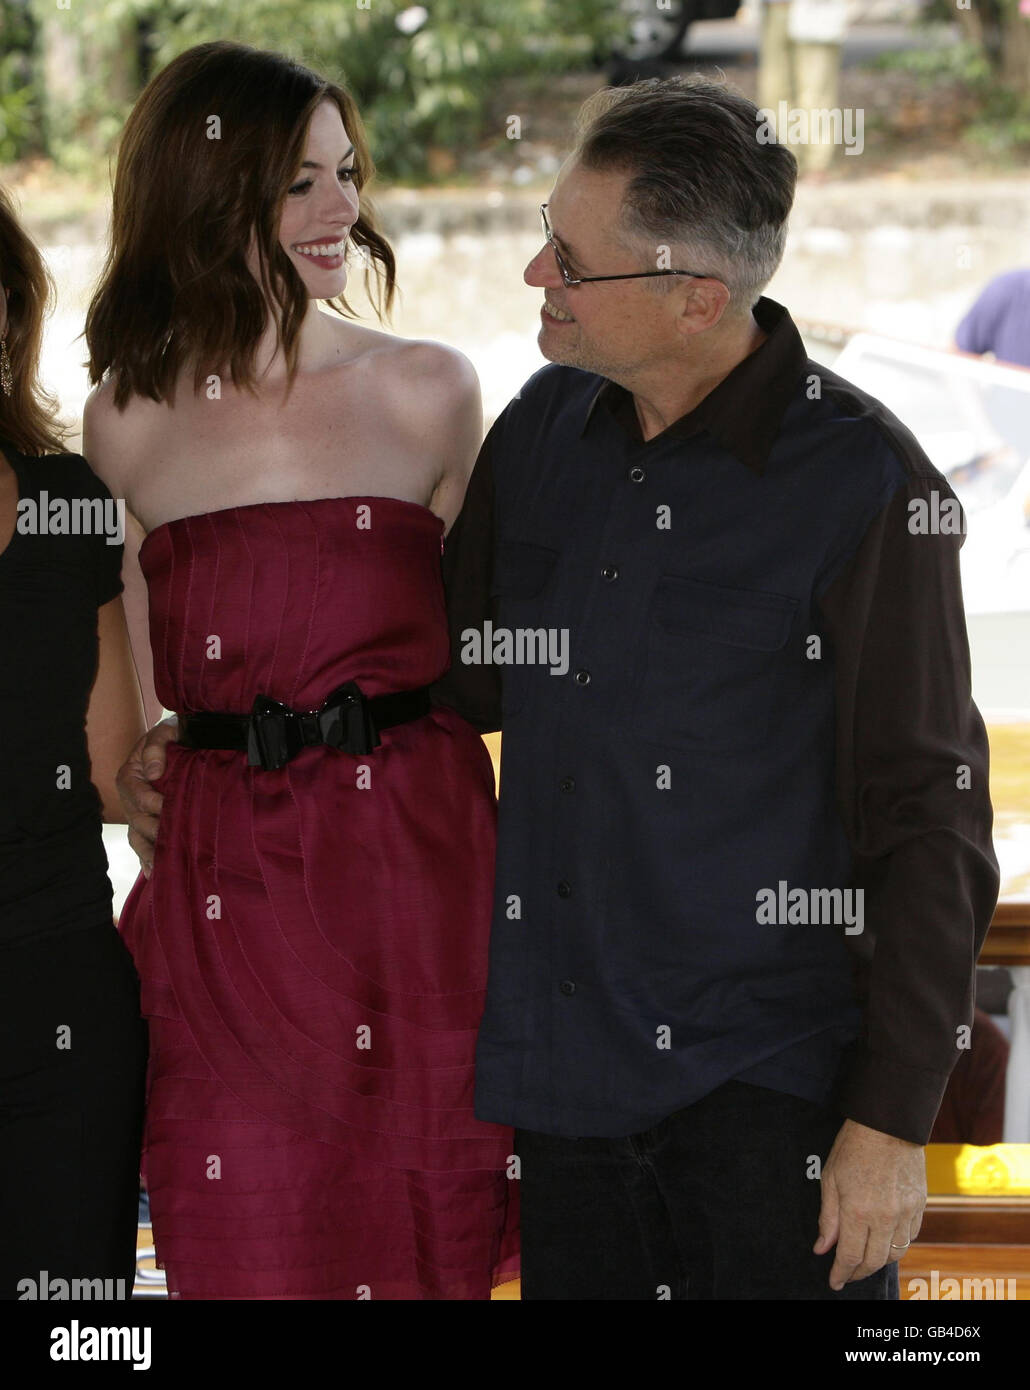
(912, 791)
(467, 563)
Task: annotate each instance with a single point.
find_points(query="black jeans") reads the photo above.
(71, 1115)
(714, 1202)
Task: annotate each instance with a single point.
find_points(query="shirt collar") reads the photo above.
(745, 411)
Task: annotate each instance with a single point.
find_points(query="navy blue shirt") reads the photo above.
(746, 833)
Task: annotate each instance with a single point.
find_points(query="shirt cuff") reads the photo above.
(882, 1093)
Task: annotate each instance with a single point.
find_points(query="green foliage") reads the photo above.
(1002, 123)
(19, 114)
(940, 61)
(1003, 128)
(420, 90)
(20, 117)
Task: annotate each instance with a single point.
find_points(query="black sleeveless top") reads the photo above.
(53, 867)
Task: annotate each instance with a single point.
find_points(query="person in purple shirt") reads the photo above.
(999, 321)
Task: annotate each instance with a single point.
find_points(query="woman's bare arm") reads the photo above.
(109, 449)
(448, 406)
(137, 617)
(114, 716)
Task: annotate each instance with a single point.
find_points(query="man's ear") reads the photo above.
(704, 305)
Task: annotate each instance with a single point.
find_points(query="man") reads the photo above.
(744, 861)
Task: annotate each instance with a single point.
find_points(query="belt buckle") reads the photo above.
(345, 721)
(269, 744)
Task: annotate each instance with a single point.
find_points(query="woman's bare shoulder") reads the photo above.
(428, 389)
(435, 362)
(112, 439)
(437, 394)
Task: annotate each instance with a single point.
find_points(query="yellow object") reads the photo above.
(971, 1170)
(493, 744)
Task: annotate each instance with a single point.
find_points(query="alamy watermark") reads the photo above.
(783, 906)
(801, 125)
(76, 516)
(85, 1343)
(950, 1288)
(519, 646)
(49, 1288)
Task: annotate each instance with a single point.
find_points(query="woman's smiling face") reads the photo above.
(320, 207)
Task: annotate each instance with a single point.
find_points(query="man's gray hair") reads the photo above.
(701, 180)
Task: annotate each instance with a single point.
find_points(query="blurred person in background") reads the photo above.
(999, 321)
(799, 63)
(997, 327)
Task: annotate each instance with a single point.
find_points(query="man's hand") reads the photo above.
(874, 1192)
(141, 801)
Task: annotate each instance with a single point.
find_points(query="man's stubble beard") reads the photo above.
(586, 359)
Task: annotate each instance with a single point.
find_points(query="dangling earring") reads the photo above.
(6, 380)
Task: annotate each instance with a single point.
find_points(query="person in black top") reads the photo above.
(73, 1046)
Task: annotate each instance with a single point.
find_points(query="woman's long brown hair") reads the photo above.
(28, 417)
(205, 160)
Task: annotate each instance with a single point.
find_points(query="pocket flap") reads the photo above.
(739, 617)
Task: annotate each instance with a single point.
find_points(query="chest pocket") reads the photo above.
(522, 576)
(716, 660)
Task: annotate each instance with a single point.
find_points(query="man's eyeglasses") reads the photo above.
(570, 279)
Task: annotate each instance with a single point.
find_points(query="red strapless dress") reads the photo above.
(312, 941)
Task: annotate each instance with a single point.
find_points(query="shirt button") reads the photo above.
(637, 474)
(610, 572)
(568, 987)
(582, 677)
(564, 889)
(567, 784)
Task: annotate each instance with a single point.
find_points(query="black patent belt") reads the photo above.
(273, 733)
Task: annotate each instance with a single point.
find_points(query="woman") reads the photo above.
(312, 938)
(72, 1043)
